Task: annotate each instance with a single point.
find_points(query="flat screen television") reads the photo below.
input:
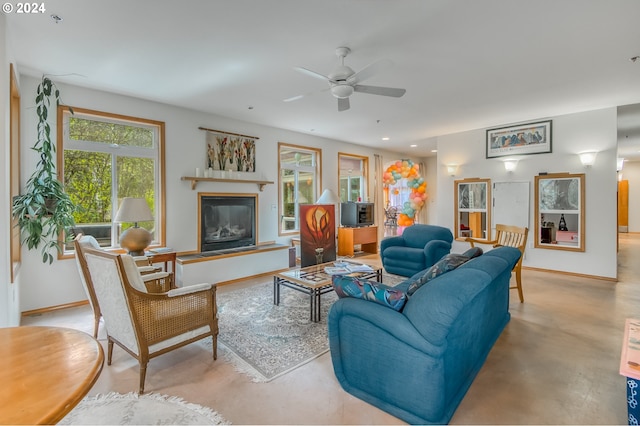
(353, 215)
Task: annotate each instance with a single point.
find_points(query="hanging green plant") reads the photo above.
(44, 212)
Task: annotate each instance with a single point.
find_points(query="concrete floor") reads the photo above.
(556, 363)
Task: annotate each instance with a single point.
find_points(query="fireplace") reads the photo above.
(227, 221)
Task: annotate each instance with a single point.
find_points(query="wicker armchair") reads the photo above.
(156, 282)
(147, 325)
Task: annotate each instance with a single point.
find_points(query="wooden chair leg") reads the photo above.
(215, 347)
(519, 284)
(143, 374)
(109, 351)
(96, 325)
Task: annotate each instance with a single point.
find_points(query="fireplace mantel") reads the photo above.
(194, 181)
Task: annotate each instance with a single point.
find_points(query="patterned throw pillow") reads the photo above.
(448, 263)
(473, 252)
(346, 286)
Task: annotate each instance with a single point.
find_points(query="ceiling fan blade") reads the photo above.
(295, 98)
(370, 70)
(377, 90)
(343, 104)
(312, 73)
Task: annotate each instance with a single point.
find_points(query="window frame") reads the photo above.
(317, 171)
(64, 111)
(364, 176)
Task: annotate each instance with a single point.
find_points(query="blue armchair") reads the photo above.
(419, 247)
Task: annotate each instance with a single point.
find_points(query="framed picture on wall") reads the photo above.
(530, 138)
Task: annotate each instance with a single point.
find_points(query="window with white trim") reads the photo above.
(105, 158)
(298, 183)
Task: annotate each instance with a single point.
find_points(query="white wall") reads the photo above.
(573, 133)
(51, 285)
(9, 292)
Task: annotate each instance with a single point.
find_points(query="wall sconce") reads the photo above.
(620, 164)
(510, 165)
(452, 169)
(588, 158)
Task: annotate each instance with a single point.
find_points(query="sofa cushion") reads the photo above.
(448, 263)
(346, 286)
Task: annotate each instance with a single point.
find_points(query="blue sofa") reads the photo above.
(417, 364)
(419, 247)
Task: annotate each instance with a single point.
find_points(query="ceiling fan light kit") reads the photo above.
(343, 81)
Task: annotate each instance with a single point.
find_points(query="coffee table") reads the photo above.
(315, 282)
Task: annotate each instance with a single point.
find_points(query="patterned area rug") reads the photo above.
(266, 341)
(133, 409)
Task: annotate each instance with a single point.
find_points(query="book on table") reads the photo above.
(345, 268)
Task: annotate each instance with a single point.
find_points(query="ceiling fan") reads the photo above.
(343, 81)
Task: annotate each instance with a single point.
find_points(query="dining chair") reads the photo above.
(512, 236)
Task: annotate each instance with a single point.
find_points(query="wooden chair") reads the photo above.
(156, 282)
(147, 325)
(512, 236)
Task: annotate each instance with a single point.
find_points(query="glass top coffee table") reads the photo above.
(315, 282)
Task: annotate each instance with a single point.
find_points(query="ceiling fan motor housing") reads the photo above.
(341, 91)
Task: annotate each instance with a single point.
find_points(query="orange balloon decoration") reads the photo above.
(406, 169)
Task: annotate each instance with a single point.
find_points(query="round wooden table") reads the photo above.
(45, 372)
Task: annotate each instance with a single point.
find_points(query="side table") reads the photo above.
(163, 257)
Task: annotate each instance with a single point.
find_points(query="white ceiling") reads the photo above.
(465, 64)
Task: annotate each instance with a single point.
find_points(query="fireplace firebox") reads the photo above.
(227, 221)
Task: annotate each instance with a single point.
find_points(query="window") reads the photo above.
(105, 158)
(298, 182)
(352, 173)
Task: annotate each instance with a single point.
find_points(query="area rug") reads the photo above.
(264, 340)
(133, 409)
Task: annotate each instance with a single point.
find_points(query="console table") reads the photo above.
(366, 237)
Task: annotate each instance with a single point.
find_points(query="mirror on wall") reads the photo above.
(472, 208)
(559, 202)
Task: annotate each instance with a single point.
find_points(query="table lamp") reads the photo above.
(135, 239)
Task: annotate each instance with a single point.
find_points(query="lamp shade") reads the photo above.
(328, 197)
(133, 210)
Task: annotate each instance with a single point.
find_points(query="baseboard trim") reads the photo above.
(264, 274)
(573, 274)
(54, 308)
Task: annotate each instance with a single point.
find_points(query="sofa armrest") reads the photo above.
(434, 250)
(391, 241)
(378, 319)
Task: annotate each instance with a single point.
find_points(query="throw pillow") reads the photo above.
(448, 263)
(346, 286)
(473, 252)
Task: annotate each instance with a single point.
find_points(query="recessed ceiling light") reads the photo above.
(434, 150)
(413, 145)
(386, 138)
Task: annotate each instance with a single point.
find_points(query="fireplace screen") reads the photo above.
(227, 222)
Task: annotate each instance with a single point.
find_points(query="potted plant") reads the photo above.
(45, 210)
